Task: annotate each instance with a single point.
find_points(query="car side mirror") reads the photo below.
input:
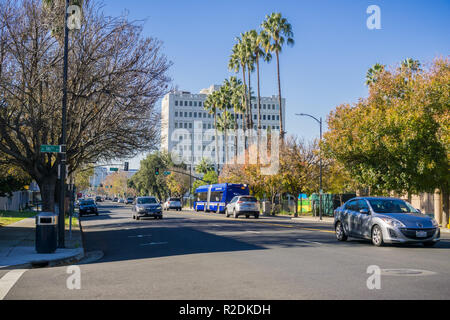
(418, 210)
(364, 211)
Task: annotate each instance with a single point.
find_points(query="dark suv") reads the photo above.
(88, 207)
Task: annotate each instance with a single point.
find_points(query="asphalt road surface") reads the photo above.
(190, 255)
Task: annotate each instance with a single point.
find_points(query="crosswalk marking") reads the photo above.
(9, 280)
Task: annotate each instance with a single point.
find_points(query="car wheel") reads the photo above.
(138, 218)
(256, 216)
(226, 213)
(235, 214)
(133, 217)
(340, 234)
(377, 236)
(429, 244)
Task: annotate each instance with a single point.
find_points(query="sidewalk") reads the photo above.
(17, 247)
(328, 220)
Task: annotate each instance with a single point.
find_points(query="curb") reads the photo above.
(53, 263)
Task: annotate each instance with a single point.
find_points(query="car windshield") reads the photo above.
(146, 200)
(87, 202)
(391, 206)
(248, 199)
(130, 199)
(174, 199)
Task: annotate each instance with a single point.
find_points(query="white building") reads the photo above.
(186, 126)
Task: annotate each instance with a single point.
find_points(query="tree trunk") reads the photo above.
(259, 113)
(47, 187)
(246, 117)
(279, 99)
(235, 138)
(217, 143)
(445, 194)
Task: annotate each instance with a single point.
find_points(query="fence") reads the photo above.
(19, 200)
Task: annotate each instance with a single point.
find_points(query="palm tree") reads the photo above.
(411, 64)
(210, 105)
(237, 91)
(373, 73)
(278, 31)
(238, 61)
(256, 43)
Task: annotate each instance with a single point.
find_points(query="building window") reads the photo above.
(185, 125)
(185, 103)
(185, 114)
(190, 103)
(278, 118)
(195, 103)
(264, 117)
(176, 125)
(190, 114)
(199, 103)
(176, 113)
(190, 125)
(195, 114)
(255, 117)
(176, 103)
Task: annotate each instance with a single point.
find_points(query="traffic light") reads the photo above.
(125, 166)
(157, 171)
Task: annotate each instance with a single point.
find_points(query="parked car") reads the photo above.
(129, 200)
(116, 199)
(88, 207)
(121, 200)
(242, 206)
(98, 199)
(172, 203)
(146, 207)
(385, 220)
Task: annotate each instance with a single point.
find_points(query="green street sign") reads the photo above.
(167, 173)
(114, 169)
(50, 149)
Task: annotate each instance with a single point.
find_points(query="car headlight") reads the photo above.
(393, 222)
(434, 222)
(140, 209)
(159, 207)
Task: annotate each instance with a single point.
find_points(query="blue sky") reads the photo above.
(325, 68)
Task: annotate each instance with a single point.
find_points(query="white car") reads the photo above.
(172, 203)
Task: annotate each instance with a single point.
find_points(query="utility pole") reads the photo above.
(61, 217)
(320, 159)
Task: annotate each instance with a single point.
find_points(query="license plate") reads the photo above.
(421, 234)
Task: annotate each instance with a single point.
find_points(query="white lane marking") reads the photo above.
(9, 280)
(249, 231)
(140, 236)
(308, 241)
(153, 243)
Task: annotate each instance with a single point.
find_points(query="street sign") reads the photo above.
(50, 149)
(167, 173)
(114, 169)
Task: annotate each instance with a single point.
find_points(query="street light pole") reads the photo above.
(61, 217)
(320, 159)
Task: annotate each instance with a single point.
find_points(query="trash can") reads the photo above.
(46, 232)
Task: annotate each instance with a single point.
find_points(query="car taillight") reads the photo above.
(240, 201)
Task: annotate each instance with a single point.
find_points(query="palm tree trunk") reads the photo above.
(217, 142)
(250, 122)
(246, 117)
(279, 99)
(259, 111)
(235, 137)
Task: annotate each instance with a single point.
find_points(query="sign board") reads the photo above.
(114, 169)
(167, 173)
(50, 149)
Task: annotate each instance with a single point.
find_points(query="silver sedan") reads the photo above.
(242, 206)
(384, 220)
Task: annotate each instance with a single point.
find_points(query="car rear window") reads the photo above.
(174, 199)
(248, 199)
(87, 202)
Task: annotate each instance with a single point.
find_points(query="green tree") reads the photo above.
(277, 32)
(204, 166)
(394, 140)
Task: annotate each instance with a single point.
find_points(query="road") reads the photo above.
(190, 255)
